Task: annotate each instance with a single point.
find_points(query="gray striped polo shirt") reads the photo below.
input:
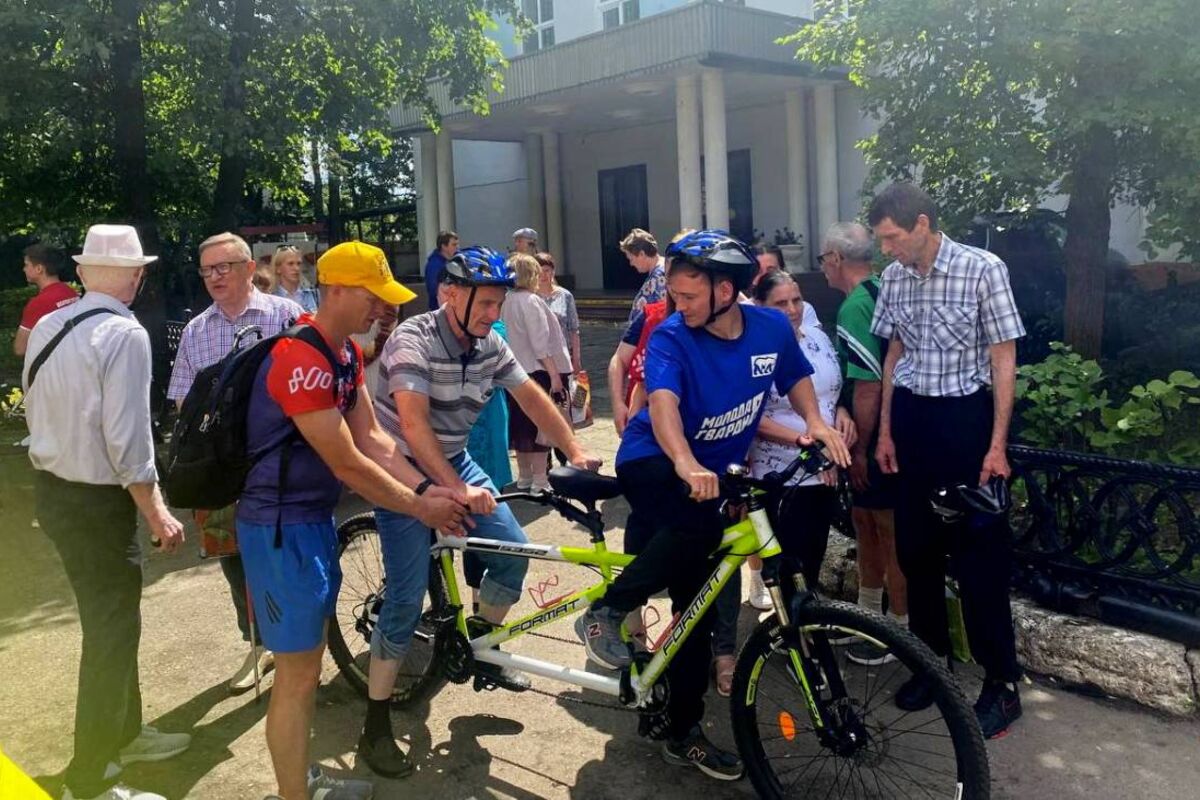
(423, 355)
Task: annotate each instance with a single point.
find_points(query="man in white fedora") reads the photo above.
(86, 380)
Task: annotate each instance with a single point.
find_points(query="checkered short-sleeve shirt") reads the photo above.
(209, 336)
(947, 319)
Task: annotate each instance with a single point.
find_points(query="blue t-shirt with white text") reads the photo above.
(722, 385)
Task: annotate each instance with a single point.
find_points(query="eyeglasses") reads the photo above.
(821, 258)
(221, 268)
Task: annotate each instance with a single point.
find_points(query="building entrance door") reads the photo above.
(623, 205)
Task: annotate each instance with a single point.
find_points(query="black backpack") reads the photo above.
(209, 459)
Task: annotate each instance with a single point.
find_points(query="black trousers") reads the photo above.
(94, 529)
(941, 441)
(678, 557)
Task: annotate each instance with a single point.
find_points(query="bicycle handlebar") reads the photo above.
(811, 457)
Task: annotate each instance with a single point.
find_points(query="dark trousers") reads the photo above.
(235, 576)
(800, 517)
(941, 441)
(678, 557)
(94, 529)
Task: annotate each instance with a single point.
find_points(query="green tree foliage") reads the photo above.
(235, 92)
(999, 104)
(1066, 404)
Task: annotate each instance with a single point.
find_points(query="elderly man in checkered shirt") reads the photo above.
(948, 385)
(227, 269)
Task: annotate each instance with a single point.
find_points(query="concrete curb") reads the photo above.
(1152, 672)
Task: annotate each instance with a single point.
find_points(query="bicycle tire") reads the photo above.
(419, 679)
(969, 750)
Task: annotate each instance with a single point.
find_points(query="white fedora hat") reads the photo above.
(112, 246)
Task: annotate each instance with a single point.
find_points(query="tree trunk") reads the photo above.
(231, 171)
(318, 198)
(1089, 222)
(335, 208)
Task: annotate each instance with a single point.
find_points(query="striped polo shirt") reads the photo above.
(423, 355)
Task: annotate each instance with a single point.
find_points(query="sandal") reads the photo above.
(723, 668)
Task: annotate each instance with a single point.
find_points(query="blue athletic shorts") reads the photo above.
(294, 587)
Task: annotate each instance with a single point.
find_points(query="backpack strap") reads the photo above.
(45, 352)
(311, 336)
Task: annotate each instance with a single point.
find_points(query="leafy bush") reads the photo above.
(1064, 402)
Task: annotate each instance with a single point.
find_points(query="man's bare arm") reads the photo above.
(1004, 383)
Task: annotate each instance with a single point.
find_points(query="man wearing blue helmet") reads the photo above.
(438, 370)
(708, 371)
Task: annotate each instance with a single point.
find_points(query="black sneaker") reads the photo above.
(915, 694)
(997, 708)
(697, 751)
(384, 757)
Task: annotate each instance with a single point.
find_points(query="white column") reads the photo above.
(716, 165)
(551, 166)
(535, 178)
(445, 180)
(687, 142)
(825, 129)
(425, 158)
(797, 168)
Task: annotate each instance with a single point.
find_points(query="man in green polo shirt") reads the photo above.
(846, 261)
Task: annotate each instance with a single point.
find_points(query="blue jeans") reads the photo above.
(405, 542)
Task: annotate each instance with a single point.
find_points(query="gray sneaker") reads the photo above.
(327, 787)
(868, 654)
(154, 745)
(600, 630)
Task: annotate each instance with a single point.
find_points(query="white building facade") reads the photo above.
(660, 114)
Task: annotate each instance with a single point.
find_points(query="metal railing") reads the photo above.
(1109, 538)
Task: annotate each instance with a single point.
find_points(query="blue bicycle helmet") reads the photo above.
(478, 266)
(715, 252)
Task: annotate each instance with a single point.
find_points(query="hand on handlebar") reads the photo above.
(480, 500)
(835, 445)
(703, 483)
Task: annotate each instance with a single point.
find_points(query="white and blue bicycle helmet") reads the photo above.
(477, 266)
(716, 253)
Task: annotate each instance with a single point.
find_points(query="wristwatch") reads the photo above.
(423, 485)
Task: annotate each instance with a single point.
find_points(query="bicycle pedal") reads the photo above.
(483, 684)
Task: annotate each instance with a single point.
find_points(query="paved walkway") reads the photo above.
(467, 745)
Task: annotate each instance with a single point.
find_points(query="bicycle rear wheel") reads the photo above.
(364, 589)
(866, 747)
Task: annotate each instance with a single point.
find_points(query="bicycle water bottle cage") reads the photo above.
(953, 503)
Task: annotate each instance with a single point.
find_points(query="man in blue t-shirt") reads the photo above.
(447, 246)
(708, 370)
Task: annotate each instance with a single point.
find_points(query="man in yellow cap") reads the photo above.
(311, 429)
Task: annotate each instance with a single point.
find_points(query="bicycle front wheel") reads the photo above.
(364, 590)
(862, 746)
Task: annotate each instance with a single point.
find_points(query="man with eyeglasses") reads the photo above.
(227, 268)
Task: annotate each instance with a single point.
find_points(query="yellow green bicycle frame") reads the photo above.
(749, 536)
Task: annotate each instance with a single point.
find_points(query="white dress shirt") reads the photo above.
(89, 409)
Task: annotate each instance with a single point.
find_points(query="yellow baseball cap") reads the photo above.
(361, 264)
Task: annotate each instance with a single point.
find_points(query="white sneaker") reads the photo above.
(243, 679)
(154, 745)
(524, 484)
(118, 792)
(327, 787)
(760, 598)
(539, 486)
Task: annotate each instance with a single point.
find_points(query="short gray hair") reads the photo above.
(227, 238)
(851, 240)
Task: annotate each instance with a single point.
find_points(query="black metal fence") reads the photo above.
(1109, 538)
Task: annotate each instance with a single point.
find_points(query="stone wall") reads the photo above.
(1150, 671)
